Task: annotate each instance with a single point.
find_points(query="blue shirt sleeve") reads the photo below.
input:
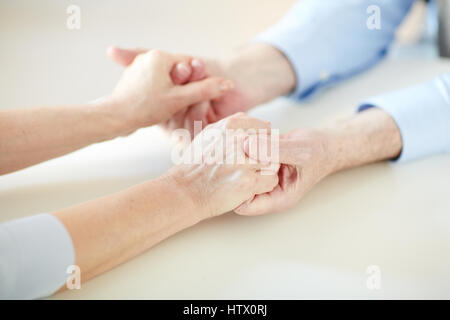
(327, 41)
(422, 114)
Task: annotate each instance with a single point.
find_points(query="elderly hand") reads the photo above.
(259, 71)
(215, 172)
(146, 94)
(305, 159)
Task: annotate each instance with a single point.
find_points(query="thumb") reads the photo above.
(204, 90)
(271, 148)
(124, 57)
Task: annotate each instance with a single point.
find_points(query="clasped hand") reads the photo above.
(158, 87)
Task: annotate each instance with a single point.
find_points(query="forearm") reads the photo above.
(30, 136)
(366, 137)
(111, 230)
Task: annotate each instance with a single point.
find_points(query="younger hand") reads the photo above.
(259, 72)
(146, 94)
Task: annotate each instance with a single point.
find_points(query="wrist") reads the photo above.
(191, 200)
(366, 137)
(117, 123)
(321, 145)
(337, 142)
(261, 71)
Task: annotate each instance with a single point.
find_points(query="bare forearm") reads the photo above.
(30, 136)
(111, 230)
(367, 137)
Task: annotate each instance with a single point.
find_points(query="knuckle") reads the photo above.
(156, 54)
(139, 58)
(232, 121)
(205, 90)
(269, 180)
(175, 98)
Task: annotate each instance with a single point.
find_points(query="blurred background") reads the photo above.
(42, 62)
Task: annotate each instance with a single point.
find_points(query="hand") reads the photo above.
(186, 70)
(305, 158)
(223, 177)
(146, 95)
(259, 71)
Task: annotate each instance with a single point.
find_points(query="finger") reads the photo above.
(198, 70)
(200, 91)
(282, 197)
(124, 57)
(266, 183)
(210, 114)
(258, 205)
(177, 120)
(187, 69)
(257, 167)
(271, 168)
(288, 151)
(178, 64)
(242, 121)
(195, 113)
(181, 73)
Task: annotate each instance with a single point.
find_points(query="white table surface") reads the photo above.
(393, 216)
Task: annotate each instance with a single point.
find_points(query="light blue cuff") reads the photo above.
(301, 48)
(308, 72)
(329, 41)
(292, 37)
(34, 255)
(422, 114)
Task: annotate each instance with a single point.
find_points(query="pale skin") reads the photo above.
(310, 155)
(144, 96)
(260, 73)
(111, 230)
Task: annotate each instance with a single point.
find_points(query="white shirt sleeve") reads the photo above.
(35, 253)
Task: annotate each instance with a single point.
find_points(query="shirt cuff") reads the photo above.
(422, 114)
(310, 79)
(34, 255)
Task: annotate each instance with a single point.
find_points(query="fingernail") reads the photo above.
(196, 63)
(182, 69)
(226, 85)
